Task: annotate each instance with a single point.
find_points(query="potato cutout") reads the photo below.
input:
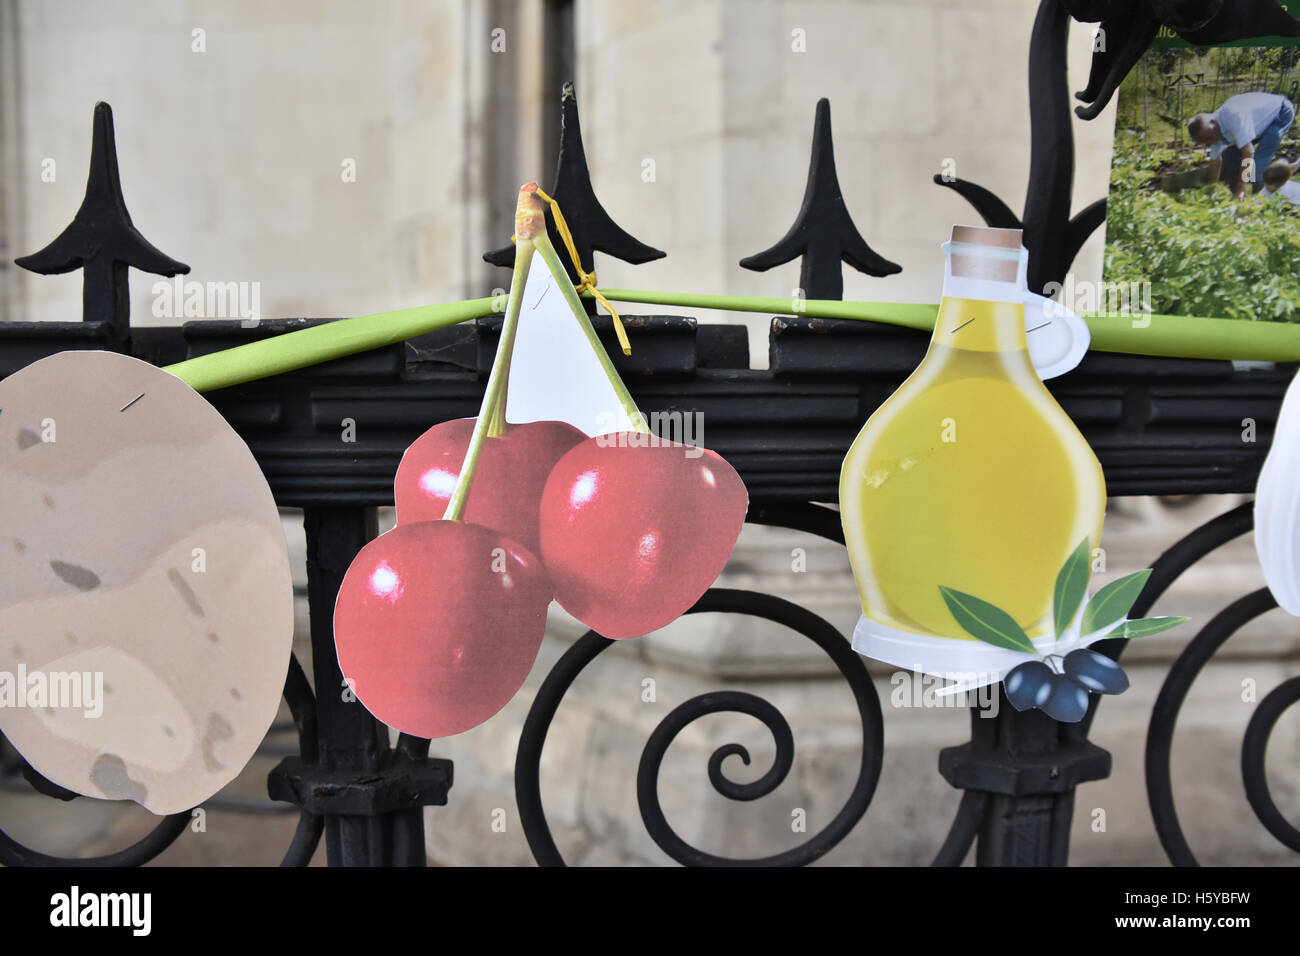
(146, 604)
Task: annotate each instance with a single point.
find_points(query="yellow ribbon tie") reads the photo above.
(586, 280)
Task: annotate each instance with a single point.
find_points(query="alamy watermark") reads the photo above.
(666, 429)
(189, 299)
(133, 911)
(55, 690)
(915, 689)
(1102, 298)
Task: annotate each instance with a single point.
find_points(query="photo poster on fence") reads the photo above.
(1203, 214)
(972, 508)
(1203, 219)
(568, 497)
(146, 601)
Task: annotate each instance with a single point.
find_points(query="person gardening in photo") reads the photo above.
(1277, 182)
(1248, 126)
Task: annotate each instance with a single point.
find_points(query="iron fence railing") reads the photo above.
(1159, 426)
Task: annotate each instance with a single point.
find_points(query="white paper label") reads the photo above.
(554, 374)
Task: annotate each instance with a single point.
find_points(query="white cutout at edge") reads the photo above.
(1277, 506)
(554, 374)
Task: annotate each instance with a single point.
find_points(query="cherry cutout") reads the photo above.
(437, 624)
(512, 470)
(634, 533)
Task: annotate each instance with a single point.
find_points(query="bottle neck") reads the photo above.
(974, 270)
(990, 290)
(980, 325)
(982, 309)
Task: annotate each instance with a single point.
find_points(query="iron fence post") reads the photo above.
(351, 740)
(1027, 766)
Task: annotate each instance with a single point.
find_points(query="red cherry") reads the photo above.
(512, 471)
(633, 535)
(437, 624)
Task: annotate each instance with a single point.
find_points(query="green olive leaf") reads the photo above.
(1071, 586)
(989, 623)
(1145, 626)
(1112, 602)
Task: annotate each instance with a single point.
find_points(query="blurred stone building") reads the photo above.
(351, 158)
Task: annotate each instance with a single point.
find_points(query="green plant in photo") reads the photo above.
(1201, 252)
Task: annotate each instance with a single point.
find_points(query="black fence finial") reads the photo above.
(823, 232)
(101, 240)
(1132, 26)
(1052, 236)
(591, 227)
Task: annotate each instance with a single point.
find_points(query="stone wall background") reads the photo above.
(231, 161)
(231, 158)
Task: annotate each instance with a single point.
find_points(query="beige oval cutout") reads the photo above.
(140, 551)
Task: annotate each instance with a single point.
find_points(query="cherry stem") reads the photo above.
(496, 415)
(491, 420)
(552, 259)
(1050, 660)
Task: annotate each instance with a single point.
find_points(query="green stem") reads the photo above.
(491, 420)
(907, 314)
(552, 260)
(321, 343)
(1172, 336)
(506, 346)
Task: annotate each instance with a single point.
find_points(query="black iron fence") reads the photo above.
(1158, 426)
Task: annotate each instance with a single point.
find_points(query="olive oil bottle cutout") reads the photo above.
(969, 476)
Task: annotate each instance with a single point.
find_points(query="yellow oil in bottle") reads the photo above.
(970, 475)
